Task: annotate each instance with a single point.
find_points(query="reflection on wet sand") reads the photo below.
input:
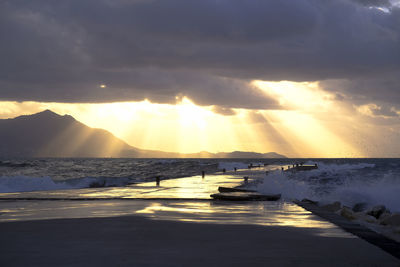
(194, 187)
(186, 199)
(213, 212)
(253, 213)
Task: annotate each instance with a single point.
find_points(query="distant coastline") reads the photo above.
(48, 134)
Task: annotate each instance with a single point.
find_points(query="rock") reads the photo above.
(365, 217)
(335, 206)
(362, 206)
(384, 216)
(376, 211)
(347, 213)
(393, 220)
(309, 201)
(396, 230)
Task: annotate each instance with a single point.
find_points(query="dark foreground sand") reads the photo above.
(139, 241)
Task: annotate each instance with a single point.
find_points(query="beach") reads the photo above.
(200, 133)
(175, 223)
(168, 237)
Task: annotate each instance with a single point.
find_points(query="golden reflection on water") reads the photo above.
(194, 187)
(253, 213)
(262, 213)
(248, 213)
(158, 207)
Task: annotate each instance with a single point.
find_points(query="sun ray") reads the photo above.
(188, 128)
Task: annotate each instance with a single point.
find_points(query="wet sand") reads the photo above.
(177, 225)
(176, 233)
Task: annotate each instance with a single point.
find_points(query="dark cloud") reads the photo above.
(377, 3)
(149, 83)
(223, 111)
(384, 111)
(206, 50)
(379, 89)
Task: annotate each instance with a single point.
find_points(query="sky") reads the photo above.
(305, 78)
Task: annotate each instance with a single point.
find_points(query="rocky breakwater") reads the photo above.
(377, 218)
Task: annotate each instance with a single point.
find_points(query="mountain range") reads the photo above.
(47, 134)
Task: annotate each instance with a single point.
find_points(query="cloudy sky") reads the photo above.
(300, 77)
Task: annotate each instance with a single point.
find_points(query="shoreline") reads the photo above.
(39, 216)
(276, 218)
(136, 240)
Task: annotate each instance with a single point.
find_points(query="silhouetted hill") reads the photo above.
(240, 154)
(235, 154)
(47, 134)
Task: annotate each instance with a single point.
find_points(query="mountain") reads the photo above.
(242, 155)
(235, 154)
(47, 134)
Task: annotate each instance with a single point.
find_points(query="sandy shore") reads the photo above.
(175, 224)
(163, 237)
(137, 241)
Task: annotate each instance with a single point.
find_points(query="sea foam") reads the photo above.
(25, 183)
(347, 183)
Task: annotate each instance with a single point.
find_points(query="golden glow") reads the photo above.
(306, 96)
(307, 119)
(311, 123)
(103, 86)
(256, 213)
(153, 208)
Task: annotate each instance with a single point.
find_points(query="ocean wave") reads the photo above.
(347, 183)
(329, 167)
(15, 164)
(166, 161)
(230, 166)
(26, 184)
(383, 191)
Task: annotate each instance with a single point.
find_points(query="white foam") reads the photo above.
(321, 185)
(278, 182)
(335, 168)
(384, 191)
(25, 184)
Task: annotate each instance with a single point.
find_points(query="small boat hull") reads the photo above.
(245, 196)
(223, 189)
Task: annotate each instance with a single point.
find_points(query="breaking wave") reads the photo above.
(25, 183)
(347, 183)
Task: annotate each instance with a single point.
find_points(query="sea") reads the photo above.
(350, 181)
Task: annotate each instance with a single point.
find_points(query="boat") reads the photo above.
(223, 189)
(245, 196)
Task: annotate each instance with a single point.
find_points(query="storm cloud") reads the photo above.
(207, 50)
